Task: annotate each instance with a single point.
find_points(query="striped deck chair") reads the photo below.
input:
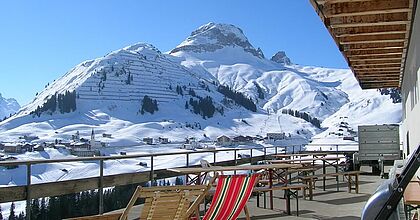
(232, 194)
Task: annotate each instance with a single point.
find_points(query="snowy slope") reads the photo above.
(236, 63)
(8, 106)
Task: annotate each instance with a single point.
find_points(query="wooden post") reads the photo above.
(236, 162)
(275, 150)
(152, 173)
(265, 153)
(250, 156)
(214, 158)
(101, 187)
(188, 160)
(28, 191)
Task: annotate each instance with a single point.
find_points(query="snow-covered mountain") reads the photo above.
(8, 106)
(275, 83)
(108, 94)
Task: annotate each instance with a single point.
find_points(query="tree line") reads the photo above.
(202, 106)
(303, 115)
(65, 103)
(238, 97)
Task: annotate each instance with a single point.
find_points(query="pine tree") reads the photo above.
(35, 209)
(12, 215)
(186, 105)
(1, 216)
(43, 210)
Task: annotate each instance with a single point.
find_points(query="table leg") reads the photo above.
(270, 176)
(297, 202)
(357, 183)
(323, 172)
(288, 201)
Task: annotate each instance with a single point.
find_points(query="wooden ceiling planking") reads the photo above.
(379, 51)
(377, 29)
(365, 7)
(372, 38)
(375, 57)
(393, 62)
(372, 35)
(387, 45)
(375, 18)
(369, 24)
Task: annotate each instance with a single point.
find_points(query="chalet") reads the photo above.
(105, 135)
(163, 140)
(242, 139)
(84, 152)
(148, 140)
(13, 148)
(39, 148)
(275, 136)
(223, 140)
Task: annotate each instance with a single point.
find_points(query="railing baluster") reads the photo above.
(101, 186)
(152, 173)
(28, 191)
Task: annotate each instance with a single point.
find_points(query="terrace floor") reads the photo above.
(328, 204)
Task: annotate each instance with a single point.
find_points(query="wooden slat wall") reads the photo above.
(372, 36)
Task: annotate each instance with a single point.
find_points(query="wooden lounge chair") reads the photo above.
(168, 202)
(231, 195)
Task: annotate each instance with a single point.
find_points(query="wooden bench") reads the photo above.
(290, 190)
(351, 176)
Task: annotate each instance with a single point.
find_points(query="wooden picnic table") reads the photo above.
(326, 161)
(411, 197)
(278, 169)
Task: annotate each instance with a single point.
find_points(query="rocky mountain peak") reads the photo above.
(213, 36)
(280, 57)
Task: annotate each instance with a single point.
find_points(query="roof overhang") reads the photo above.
(372, 35)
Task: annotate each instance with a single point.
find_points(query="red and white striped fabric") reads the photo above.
(232, 194)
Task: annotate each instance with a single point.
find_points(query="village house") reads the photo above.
(148, 140)
(163, 140)
(223, 140)
(13, 148)
(275, 136)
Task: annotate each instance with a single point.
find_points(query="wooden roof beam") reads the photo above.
(384, 45)
(374, 59)
(374, 41)
(372, 37)
(373, 52)
(369, 24)
(363, 69)
(365, 8)
(377, 65)
(369, 30)
(396, 81)
(392, 61)
(374, 56)
(375, 18)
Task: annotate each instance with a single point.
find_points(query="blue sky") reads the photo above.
(41, 40)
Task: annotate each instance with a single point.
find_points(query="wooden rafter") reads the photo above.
(340, 32)
(372, 35)
(365, 8)
(370, 38)
(375, 57)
